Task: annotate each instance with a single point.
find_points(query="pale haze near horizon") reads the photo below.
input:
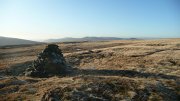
(46, 19)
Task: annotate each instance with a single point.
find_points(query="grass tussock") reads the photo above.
(127, 70)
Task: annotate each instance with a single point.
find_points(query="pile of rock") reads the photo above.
(49, 62)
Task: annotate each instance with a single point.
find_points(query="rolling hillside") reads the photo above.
(69, 39)
(4, 41)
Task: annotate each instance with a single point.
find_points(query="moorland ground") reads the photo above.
(137, 70)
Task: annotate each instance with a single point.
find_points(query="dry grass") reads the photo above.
(140, 70)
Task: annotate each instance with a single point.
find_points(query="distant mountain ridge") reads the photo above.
(68, 39)
(5, 41)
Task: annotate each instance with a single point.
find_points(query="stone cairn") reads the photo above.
(49, 62)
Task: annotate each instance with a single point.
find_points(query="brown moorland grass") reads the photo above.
(137, 70)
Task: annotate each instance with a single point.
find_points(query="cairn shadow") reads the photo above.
(19, 68)
(125, 73)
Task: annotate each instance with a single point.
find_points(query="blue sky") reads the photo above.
(44, 19)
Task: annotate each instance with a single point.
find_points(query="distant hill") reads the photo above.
(69, 39)
(4, 41)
